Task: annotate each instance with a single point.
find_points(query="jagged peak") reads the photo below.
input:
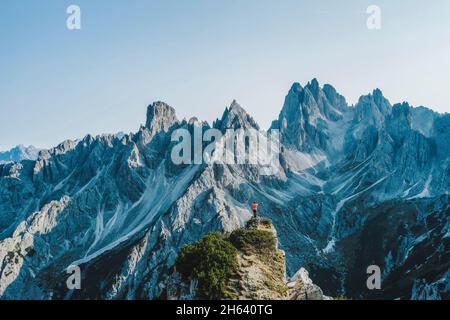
(335, 98)
(402, 106)
(314, 88)
(304, 109)
(235, 117)
(315, 91)
(236, 107)
(377, 92)
(62, 148)
(373, 105)
(314, 82)
(315, 99)
(401, 110)
(378, 97)
(296, 88)
(160, 116)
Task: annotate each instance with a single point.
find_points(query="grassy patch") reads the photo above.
(212, 261)
(253, 241)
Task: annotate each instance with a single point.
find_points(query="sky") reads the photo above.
(199, 55)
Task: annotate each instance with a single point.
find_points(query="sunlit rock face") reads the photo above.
(357, 186)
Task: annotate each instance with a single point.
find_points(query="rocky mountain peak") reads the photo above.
(314, 88)
(160, 117)
(398, 122)
(235, 117)
(296, 88)
(337, 100)
(402, 111)
(372, 108)
(306, 111)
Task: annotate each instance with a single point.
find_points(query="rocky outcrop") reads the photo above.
(301, 287)
(259, 275)
(25, 243)
(160, 117)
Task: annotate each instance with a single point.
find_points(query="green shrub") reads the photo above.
(212, 261)
(253, 241)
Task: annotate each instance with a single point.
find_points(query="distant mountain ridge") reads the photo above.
(19, 153)
(356, 186)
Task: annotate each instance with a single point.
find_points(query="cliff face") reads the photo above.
(258, 269)
(261, 265)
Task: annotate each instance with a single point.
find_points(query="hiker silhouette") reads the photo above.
(254, 208)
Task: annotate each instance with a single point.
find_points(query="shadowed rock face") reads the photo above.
(357, 186)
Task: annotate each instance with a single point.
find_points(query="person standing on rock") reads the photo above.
(254, 208)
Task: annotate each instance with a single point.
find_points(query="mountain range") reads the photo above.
(19, 153)
(359, 185)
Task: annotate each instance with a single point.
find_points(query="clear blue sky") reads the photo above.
(199, 55)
